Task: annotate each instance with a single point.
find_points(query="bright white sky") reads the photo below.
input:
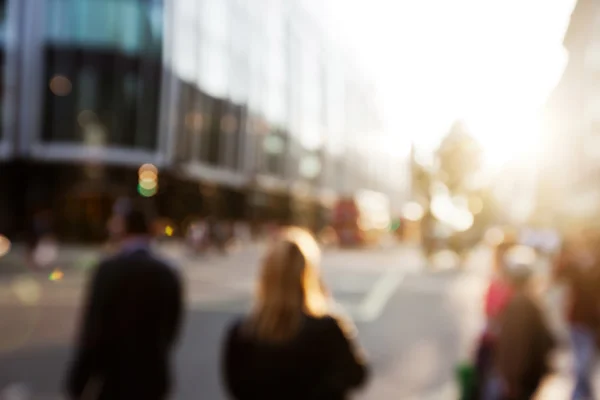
(491, 62)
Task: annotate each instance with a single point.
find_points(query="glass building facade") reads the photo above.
(234, 93)
(258, 91)
(102, 61)
(8, 65)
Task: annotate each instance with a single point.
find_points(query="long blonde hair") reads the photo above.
(289, 287)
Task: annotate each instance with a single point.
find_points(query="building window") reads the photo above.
(233, 128)
(274, 147)
(211, 141)
(129, 26)
(108, 54)
(3, 37)
(191, 122)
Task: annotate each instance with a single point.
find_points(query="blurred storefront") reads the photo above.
(224, 97)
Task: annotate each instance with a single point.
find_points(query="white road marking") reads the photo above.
(216, 292)
(375, 301)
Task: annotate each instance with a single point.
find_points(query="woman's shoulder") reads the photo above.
(325, 321)
(332, 325)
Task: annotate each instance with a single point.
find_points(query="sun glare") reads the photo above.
(515, 138)
(493, 78)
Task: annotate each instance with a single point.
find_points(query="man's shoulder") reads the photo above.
(147, 257)
(172, 265)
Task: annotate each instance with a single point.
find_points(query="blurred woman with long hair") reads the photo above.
(289, 346)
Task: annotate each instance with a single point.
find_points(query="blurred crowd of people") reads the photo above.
(199, 235)
(514, 354)
(296, 343)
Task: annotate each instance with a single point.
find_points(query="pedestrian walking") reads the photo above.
(290, 346)
(487, 385)
(130, 322)
(579, 267)
(524, 340)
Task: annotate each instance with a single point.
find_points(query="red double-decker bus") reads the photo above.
(361, 219)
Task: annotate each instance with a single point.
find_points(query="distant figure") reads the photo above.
(241, 232)
(115, 225)
(130, 323)
(222, 235)
(290, 347)
(497, 297)
(579, 268)
(41, 245)
(524, 341)
(500, 289)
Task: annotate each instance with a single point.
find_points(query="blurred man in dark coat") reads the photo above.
(525, 341)
(130, 323)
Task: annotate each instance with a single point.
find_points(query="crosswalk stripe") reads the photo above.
(375, 301)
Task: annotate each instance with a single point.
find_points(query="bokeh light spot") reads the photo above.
(46, 253)
(413, 211)
(148, 167)
(521, 255)
(475, 205)
(147, 192)
(56, 275)
(60, 85)
(148, 184)
(169, 230)
(310, 167)
(194, 121)
(273, 144)
(27, 290)
(494, 236)
(148, 176)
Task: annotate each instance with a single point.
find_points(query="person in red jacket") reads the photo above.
(498, 295)
(500, 289)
